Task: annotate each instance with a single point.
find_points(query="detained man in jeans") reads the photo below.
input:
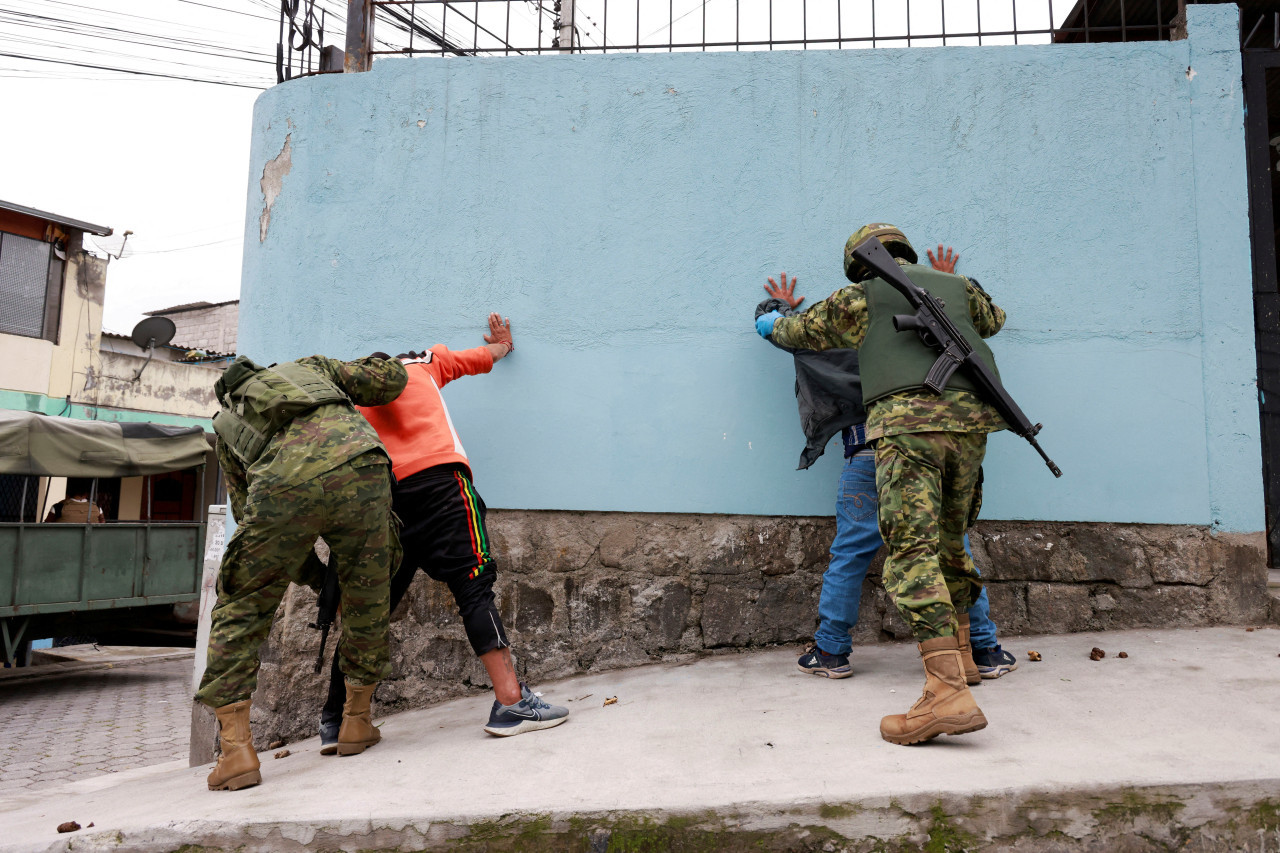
(829, 394)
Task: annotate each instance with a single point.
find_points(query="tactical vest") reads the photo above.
(78, 512)
(894, 361)
(258, 402)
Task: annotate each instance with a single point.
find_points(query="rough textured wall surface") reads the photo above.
(164, 386)
(625, 211)
(592, 591)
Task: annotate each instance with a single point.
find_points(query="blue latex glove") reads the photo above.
(764, 323)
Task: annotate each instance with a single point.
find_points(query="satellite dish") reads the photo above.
(151, 333)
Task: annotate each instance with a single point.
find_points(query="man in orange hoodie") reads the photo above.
(444, 532)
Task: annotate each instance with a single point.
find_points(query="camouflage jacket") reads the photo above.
(323, 438)
(841, 320)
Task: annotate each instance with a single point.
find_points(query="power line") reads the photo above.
(85, 37)
(110, 54)
(184, 31)
(671, 24)
(86, 29)
(129, 71)
(133, 252)
(247, 57)
(234, 11)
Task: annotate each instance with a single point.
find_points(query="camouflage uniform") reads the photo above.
(324, 474)
(929, 451)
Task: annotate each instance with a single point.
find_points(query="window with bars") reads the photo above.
(30, 287)
(19, 497)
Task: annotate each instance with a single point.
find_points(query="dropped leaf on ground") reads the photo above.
(612, 700)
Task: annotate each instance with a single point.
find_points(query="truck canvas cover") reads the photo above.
(32, 443)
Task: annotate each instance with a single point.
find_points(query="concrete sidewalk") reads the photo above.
(1177, 744)
(96, 711)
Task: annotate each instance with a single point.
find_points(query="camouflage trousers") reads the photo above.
(350, 507)
(928, 488)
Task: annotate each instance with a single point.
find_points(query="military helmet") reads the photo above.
(894, 240)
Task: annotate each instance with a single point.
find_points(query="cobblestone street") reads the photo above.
(86, 723)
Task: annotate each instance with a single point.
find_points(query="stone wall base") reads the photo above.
(590, 591)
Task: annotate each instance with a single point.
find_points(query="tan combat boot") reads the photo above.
(971, 674)
(358, 733)
(946, 707)
(238, 764)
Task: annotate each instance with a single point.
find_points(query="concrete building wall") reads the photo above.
(164, 386)
(36, 366)
(212, 329)
(625, 211)
(78, 377)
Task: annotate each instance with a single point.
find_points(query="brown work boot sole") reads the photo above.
(961, 724)
(235, 783)
(356, 748)
(331, 749)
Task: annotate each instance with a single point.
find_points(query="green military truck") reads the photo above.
(94, 579)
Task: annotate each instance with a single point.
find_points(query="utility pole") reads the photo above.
(359, 36)
(565, 29)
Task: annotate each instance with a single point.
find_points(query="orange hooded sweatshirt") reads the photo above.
(416, 427)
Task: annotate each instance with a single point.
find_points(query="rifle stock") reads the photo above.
(937, 331)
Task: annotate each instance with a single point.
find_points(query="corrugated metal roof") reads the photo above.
(189, 306)
(100, 230)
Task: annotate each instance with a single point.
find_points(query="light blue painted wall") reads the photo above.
(625, 211)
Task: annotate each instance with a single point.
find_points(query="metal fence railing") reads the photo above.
(524, 27)
(1260, 31)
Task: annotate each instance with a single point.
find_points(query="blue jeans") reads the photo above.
(855, 545)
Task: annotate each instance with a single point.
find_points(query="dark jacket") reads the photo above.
(828, 390)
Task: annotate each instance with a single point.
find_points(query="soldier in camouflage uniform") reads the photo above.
(322, 473)
(929, 451)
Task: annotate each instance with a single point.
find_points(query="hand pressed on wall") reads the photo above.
(943, 263)
(784, 291)
(499, 331)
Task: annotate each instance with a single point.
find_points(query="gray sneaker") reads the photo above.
(527, 715)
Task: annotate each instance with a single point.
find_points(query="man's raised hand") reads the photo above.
(499, 332)
(943, 263)
(784, 291)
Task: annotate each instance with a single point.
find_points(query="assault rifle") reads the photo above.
(938, 332)
(326, 609)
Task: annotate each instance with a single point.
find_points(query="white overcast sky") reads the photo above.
(168, 158)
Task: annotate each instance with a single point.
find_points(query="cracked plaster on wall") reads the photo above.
(272, 180)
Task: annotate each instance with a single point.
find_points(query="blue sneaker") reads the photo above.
(817, 662)
(527, 715)
(330, 725)
(329, 737)
(994, 662)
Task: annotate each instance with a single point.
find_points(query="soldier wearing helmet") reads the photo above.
(928, 457)
(894, 240)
